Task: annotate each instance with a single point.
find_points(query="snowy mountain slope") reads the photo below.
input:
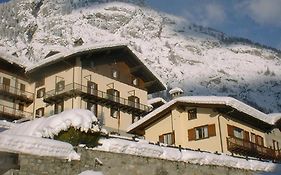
(200, 60)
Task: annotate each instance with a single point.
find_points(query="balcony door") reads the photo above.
(6, 84)
(113, 94)
(134, 101)
(92, 88)
(59, 107)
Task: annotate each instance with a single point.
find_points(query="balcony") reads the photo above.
(95, 96)
(16, 93)
(12, 113)
(247, 148)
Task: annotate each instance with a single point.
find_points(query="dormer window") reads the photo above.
(135, 82)
(115, 73)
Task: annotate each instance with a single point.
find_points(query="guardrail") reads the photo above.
(17, 92)
(78, 88)
(15, 113)
(247, 148)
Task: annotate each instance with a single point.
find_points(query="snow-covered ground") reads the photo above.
(143, 148)
(89, 172)
(29, 138)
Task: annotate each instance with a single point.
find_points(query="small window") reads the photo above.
(115, 73)
(114, 113)
(21, 106)
(40, 93)
(135, 81)
(39, 112)
(201, 132)
(168, 138)
(60, 86)
(192, 114)
(93, 107)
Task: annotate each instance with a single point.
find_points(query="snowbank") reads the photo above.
(51, 126)
(26, 137)
(37, 146)
(143, 148)
(88, 172)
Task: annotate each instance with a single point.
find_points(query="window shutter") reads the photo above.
(161, 139)
(173, 137)
(230, 130)
(191, 134)
(246, 135)
(257, 139)
(212, 130)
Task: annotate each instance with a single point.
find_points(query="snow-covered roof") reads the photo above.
(274, 117)
(221, 100)
(175, 90)
(156, 100)
(143, 148)
(11, 59)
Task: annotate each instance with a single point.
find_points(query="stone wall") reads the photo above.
(115, 164)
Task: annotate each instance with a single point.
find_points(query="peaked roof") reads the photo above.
(93, 48)
(206, 100)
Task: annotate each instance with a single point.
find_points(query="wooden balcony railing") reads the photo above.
(247, 148)
(100, 97)
(12, 113)
(16, 93)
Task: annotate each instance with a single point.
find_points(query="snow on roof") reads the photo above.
(274, 117)
(156, 100)
(36, 146)
(175, 90)
(228, 101)
(143, 148)
(50, 126)
(72, 51)
(89, 172)
(11, 59)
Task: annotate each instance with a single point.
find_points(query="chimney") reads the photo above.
(176, 92)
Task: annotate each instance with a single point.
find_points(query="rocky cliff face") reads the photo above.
(201, 60)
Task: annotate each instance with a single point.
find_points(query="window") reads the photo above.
(21, 106)
(168, 138)
(114, 113)
(192, 114)
(6, 83)
(59, 107)
(22, 88)
(253, 138)
(115, 73)
(40, 93)
(39, 112)
(60, 85)
(135, 81)
(202, 132)
(238, 133)
(135, 118)
(275, 145)
(259, 140)
(93, 107)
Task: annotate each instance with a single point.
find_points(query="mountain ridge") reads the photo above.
(201, 60)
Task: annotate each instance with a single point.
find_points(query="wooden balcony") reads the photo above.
(9, 113)
(95, 96)
(247, 148)
(15, 93)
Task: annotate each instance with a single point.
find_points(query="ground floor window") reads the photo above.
(114, 113)
(93, 107)
(59, 107)
(168, 138)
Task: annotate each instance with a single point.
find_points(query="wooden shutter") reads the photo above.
(262, 143)
(161, 139)
(212, 130)
(191, 134)
(173, 137)
(246, 135)
(230, 129)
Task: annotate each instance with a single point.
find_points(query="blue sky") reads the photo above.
(258, 20)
